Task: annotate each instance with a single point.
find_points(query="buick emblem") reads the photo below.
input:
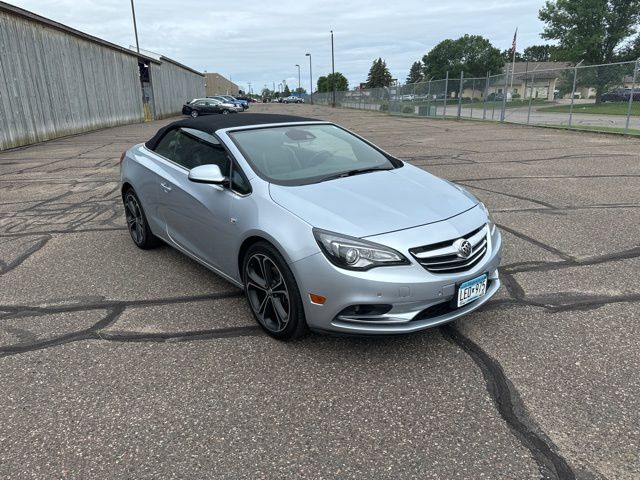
(463, 247)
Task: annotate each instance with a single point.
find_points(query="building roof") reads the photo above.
(211, 123)
(13, 10)
(20, 12)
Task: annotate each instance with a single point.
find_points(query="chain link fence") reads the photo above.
(596, 97)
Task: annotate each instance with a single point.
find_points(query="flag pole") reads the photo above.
(513, 62)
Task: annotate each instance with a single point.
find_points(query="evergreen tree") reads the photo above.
(415, 74)
(287, 92)
(379, 75)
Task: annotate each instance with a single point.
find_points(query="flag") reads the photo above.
(513, 44)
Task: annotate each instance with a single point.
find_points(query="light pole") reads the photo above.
(310, 77)
(298, 77)
(135, 27)
(333, 74)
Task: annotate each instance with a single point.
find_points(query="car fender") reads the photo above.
(258, 216)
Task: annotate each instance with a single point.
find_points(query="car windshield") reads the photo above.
(303, 154)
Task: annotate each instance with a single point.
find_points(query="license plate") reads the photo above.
(472, 290)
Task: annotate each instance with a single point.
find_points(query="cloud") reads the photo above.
(260, 42)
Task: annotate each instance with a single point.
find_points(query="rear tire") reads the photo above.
(272, 293)
(137, 222)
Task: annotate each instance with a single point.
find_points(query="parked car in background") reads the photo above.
(229, 99)
(207, 106)
(243, 102)
(246, 99)
(621, 95)
(289, 209)
(293, 99)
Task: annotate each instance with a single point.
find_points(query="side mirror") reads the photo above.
(208, 174)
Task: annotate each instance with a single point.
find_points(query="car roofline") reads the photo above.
(271, 125)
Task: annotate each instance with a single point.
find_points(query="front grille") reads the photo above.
(443, 257)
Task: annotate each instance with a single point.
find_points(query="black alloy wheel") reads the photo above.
(272, 293)
(137, 222)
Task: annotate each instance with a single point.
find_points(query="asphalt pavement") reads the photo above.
(122, 363)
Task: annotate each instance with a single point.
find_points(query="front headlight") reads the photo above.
(490, 222)
(354, 253)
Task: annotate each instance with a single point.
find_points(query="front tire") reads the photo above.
(272, 293)
(137, 222)
(225, 112)
(194, 113)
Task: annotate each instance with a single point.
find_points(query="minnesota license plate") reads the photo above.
(472, 290)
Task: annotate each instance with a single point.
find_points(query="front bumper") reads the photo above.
(418, 298)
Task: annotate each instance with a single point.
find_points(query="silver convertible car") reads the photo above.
(322, 229)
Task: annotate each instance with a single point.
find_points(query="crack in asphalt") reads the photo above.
(6, 267)
(537, 243)
(18, 311)
(569, 261)
(56, 232)
(512, 409)
(511, 195)
(97, 332)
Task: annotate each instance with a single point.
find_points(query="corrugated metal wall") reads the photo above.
(56, 81)
(172, 87)
(54, 84)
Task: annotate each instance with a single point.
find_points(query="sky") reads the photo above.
(261, 42)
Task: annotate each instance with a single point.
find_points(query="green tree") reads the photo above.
(286, 92)
(379, 75)
(415, 73)
(325, 82)
(541, 53)
(471, 54)
(508, 56)
(631, 51)
(591, 31)
(300, 90)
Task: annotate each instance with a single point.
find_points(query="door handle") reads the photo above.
(166, 186)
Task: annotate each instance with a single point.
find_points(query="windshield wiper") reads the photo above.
(356, 171)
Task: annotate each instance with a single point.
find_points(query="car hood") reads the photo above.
(374, 203)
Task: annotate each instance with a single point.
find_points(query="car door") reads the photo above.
(198, 106)
(197, 216)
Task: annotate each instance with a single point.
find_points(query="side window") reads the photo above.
(167, 144)
(239, 182)
(191, 148)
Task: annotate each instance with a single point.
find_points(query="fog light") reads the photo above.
(317, 299)
(365, 310)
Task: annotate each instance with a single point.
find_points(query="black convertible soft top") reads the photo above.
(211, 123)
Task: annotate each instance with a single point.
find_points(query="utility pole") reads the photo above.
(573, 90)
(333, 73)
(135, 27)
(310, 77)
(298, 65)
